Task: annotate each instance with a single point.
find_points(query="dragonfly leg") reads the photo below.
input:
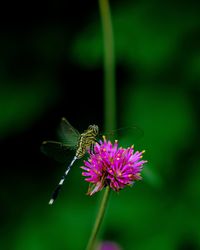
(96, 141)
(92, 146)
(92, 149)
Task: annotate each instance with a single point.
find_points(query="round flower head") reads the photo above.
(113, 166)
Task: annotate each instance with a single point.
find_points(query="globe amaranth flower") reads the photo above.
(113, 166)
(108, 245)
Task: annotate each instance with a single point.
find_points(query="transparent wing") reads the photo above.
(126, 135)
(67, 133)
(57, 150)
(132, 135)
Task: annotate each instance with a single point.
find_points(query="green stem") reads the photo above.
(99, 219)
(109, 67)
(109, 101)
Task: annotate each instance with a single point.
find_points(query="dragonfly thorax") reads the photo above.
(87, 140)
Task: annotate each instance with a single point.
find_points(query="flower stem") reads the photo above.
(99, 219)
(109, 101)
(109, 67)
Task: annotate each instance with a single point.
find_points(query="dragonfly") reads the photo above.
(72, 139)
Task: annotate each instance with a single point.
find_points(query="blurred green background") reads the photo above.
(51, 65)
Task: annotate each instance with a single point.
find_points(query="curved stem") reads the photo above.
(109, 67)
(99, 219)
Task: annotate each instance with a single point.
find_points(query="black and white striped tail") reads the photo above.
(57, 190)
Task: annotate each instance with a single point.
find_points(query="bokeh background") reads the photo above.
(51, 65)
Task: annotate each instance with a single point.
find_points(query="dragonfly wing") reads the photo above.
(130, 134)
(67, 133)
(57, 150)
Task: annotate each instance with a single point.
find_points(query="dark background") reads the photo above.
(51, 65)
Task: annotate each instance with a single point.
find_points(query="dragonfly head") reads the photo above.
(94, 129)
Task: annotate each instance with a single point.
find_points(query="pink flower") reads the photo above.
(113, 166)
(108, 245)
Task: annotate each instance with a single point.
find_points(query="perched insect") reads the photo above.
(72, 139)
